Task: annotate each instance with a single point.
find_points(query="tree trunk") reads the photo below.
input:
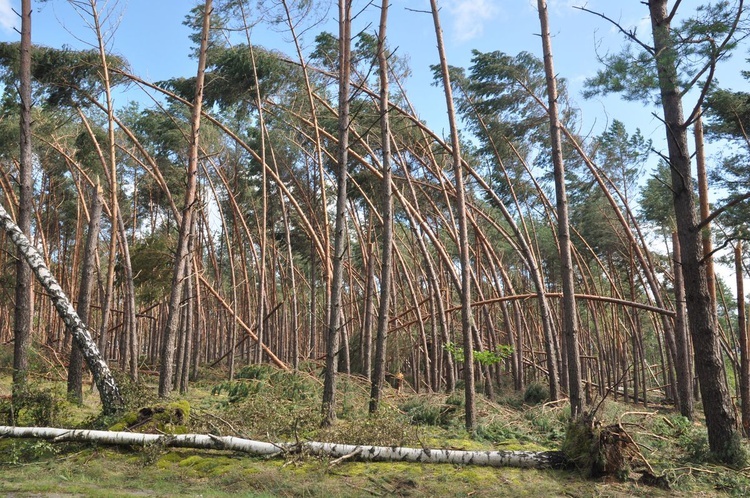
(24, 297)
(75, 366)
(570, 328)
(386, 266)
(463, 235)
(108, 390)
(744, 346)
(181, 269)
(717, 406)
(682, 361)
(340, 231)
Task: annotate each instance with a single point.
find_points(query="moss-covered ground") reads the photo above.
(270, 405)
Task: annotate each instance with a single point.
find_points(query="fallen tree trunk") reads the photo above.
(522, 459)
(105, 382)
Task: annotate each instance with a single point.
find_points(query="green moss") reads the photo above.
(190, 461)
(127, 420)
(180, 406)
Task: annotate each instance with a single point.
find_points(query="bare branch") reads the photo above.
(629, 33)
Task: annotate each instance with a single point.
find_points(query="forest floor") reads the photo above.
(269, 405)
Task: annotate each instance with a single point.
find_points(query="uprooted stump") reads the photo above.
(171, 417)
(598, 451)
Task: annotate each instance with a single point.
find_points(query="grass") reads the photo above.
(270, 405)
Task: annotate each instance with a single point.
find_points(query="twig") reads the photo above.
(344, 458)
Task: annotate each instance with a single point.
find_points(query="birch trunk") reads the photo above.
(105, 382)
(520, 459)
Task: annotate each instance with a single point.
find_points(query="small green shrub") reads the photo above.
(535, 393)
(499, 432)
(33, 406)
(421, 412)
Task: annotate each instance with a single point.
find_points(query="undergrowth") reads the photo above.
(268, 404)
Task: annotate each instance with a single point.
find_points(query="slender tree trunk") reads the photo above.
(682, 361)
(570, 328)
(170, 329)
(717, 406)
(369, 305)
(24, 296)
(386, 270)
(75, 366)
(340, 232)
(463, 236)
(744, 345)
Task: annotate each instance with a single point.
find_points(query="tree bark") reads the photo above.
(570, 318)
(717, 406)
(386, 270)
(24, 292)
(75, 366)
(682, 361)
(519, 459)
(744, 346)
(186, 224)
(108, 390)
(463, 234)
(340, 231)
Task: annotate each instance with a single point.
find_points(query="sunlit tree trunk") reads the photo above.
(744, 345)
(682, 359)
(340, 231)
(463, 236)
(75, 372)
(181, 256)
(570, 318)
(717, 406)
(386, 213)
(24, 297)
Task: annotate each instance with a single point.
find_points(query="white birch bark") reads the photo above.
(105, 382)
(521, 459)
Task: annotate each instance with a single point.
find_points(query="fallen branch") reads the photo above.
(522, 459)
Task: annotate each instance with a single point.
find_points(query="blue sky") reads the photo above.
(150, 35)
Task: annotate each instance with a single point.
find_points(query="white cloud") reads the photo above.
(8, 18)
(470, 16)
